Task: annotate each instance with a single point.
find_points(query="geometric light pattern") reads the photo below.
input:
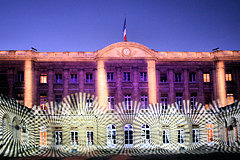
(78, 127)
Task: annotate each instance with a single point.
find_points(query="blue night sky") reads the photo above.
(89, 25)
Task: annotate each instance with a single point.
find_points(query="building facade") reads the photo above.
(123, 96)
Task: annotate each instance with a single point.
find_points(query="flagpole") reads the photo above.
(125, 30)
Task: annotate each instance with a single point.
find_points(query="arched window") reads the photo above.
(111, 135)
(128, 135)
(24, 133)
(145, 134)
(15, 129)
(210, 134)
(5, 124)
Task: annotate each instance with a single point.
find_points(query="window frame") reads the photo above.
(206, 77)
(129, 136)
(145, 137)
(127, 102)
(58, 138)
(164, 101)
(58, 78)
(111, 135)
(144, 101)
(192, 77)
(126, 76)
(111, 102)
(43, 78)
(179, 100)
(163, 78)
(143, 77)
(89, 141)
(178, 77)
(73, 78)
(89, 78)
(74, 138)
(110, 76)
(195, 135)
(180, 136)
(166, 136)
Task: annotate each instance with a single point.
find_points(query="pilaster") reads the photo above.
(152, 84)
(28, 84)
(221, 84)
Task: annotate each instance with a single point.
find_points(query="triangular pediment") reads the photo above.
(126, 50)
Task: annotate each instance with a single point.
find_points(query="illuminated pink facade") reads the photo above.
(121, 72)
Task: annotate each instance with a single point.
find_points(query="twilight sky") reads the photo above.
(89, 25)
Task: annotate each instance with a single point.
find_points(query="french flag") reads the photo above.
(125, 31)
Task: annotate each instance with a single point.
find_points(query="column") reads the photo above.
(65, 82)
(81, 80)
(28, 84)
(221, 84)
(171, 86)
(200, 85)
(186, 84)
(135, 84)
(119, 85)
(102, 90)
(50, 80)
(152, 84)
(10, 82)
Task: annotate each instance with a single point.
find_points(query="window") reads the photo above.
(192, 77)
(127, 102)
(230, 98)
(128, 135)
(74, 137)
(144, 101)
(208, 99)
(110, 76)
(20, 97)
(126, 76)
(90, 138)
(59, 78)
(73, 78)
(178, 77)
(5, 127)
(58, 98)
(180, 133)
(193, 100)
(228, 77)
(89, 104)
(206, 77)
(179, 100)
(3, 77)
(210, 133)
(43, 78)
(111, 135)
(166, 138)
(111, 102)
(58, 137)
(143, 76)
(163, 77)
(89, 78)
(43, 101)
(195, 134)
(164, 101)
(43, 136)
(20, 76)
(145, 134)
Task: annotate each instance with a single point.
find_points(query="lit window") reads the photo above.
(74, 137)
(126, 76)
(145, 134)
(163, 77)
(58, 137)
(164, 101)
(193, 100)
(43, 78)
(89, 78)
(111, 135)
(43, 136)
(179, 100)
(178, 77)
(73, 78)
(143, 76)
(228, 77)
(111, 102)
(166, 138)
(20, 76)
(43, 101)
(89, 104)
(144, 101)
(127, 102)
(195, 134)
(59, 78)
(180, 133)
(206, 77)
(230, 98)
(90, 141)
(210, 135)
(128, 135)
(110, 76)
(192, 77)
